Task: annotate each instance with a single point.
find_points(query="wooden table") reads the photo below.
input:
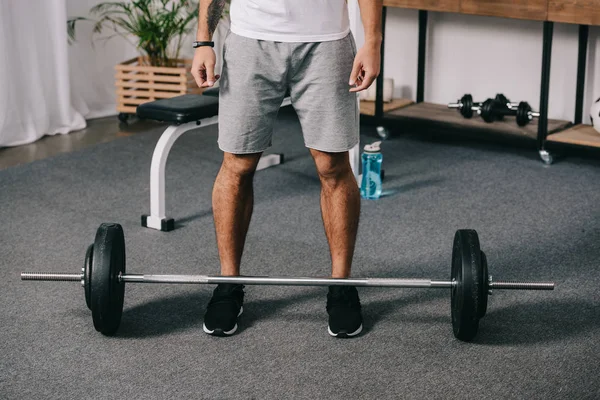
(581, 12)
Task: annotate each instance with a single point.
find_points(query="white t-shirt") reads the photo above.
(290, 20)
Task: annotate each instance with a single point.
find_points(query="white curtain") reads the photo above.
(35, 95)
(49, 87)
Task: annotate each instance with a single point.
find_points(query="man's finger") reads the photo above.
(355, 71)
(366, 82)
(210, 74)
(198, 77)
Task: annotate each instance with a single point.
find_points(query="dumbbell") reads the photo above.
(525, 114)
(103, 277)
(465, 106)
(492, 110)
(502, 100)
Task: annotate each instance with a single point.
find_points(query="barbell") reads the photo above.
(103, 278)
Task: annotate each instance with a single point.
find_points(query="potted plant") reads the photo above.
(159, 28)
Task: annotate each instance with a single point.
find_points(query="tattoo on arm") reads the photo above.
(215, 10)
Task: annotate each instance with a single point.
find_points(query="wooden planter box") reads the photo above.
(138, 83)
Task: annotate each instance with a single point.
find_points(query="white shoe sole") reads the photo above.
(356, 332)
(226, 333)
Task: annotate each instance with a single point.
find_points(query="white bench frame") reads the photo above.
(157, 218)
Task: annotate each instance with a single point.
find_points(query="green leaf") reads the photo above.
(158, 26)
(71, 22)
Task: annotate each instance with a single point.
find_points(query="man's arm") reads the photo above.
(368, 59)
(209, 15)
(203, 67)
(370, 13)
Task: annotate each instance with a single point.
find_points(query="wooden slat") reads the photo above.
(430, 5)
(368, 107)
(151, 77)
(428, 113)
(521, 9)
(130, 61)
(148, 68)
(143, 62)
(126, 109)
(130, 101)
(155, 86)
(147, 94)
(583, 12)
(582, 135)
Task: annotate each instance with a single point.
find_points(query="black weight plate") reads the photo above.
(107, 292)
(502, 103)
(466, 273)
(501, 98)
(483, 288)
(487, 110)
(467, 108)
(523, 113)
(87, 274)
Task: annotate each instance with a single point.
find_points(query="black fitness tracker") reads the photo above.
(200, 44)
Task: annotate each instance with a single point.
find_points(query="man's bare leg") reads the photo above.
(340, 208)
(233, 201)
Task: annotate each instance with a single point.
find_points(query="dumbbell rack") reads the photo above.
(546, 133)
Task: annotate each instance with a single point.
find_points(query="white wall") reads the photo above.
(93, 66)
(484, 56)
(466, 54)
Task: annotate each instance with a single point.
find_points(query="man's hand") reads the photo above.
(203, 67)
(366, 67)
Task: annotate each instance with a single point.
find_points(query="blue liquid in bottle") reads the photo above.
(370, 187)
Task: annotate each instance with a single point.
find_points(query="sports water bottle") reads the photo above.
(370, 187)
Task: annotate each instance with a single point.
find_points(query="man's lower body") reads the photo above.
(256, 77)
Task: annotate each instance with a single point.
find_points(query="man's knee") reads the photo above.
(240, 166)
(331, 167)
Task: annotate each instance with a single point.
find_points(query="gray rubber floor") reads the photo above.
(535, 222)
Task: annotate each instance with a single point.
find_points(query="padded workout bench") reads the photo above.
(185, 113)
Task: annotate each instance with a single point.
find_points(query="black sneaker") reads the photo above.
(343, 307)
(224, 308)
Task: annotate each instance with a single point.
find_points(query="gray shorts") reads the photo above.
(257, 75)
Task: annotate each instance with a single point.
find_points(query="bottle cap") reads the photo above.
(373, 147)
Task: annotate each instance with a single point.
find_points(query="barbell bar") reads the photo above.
(103, 277)
(287, 281)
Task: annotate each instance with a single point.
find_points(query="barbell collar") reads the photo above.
(50, 276)
(516, 285)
